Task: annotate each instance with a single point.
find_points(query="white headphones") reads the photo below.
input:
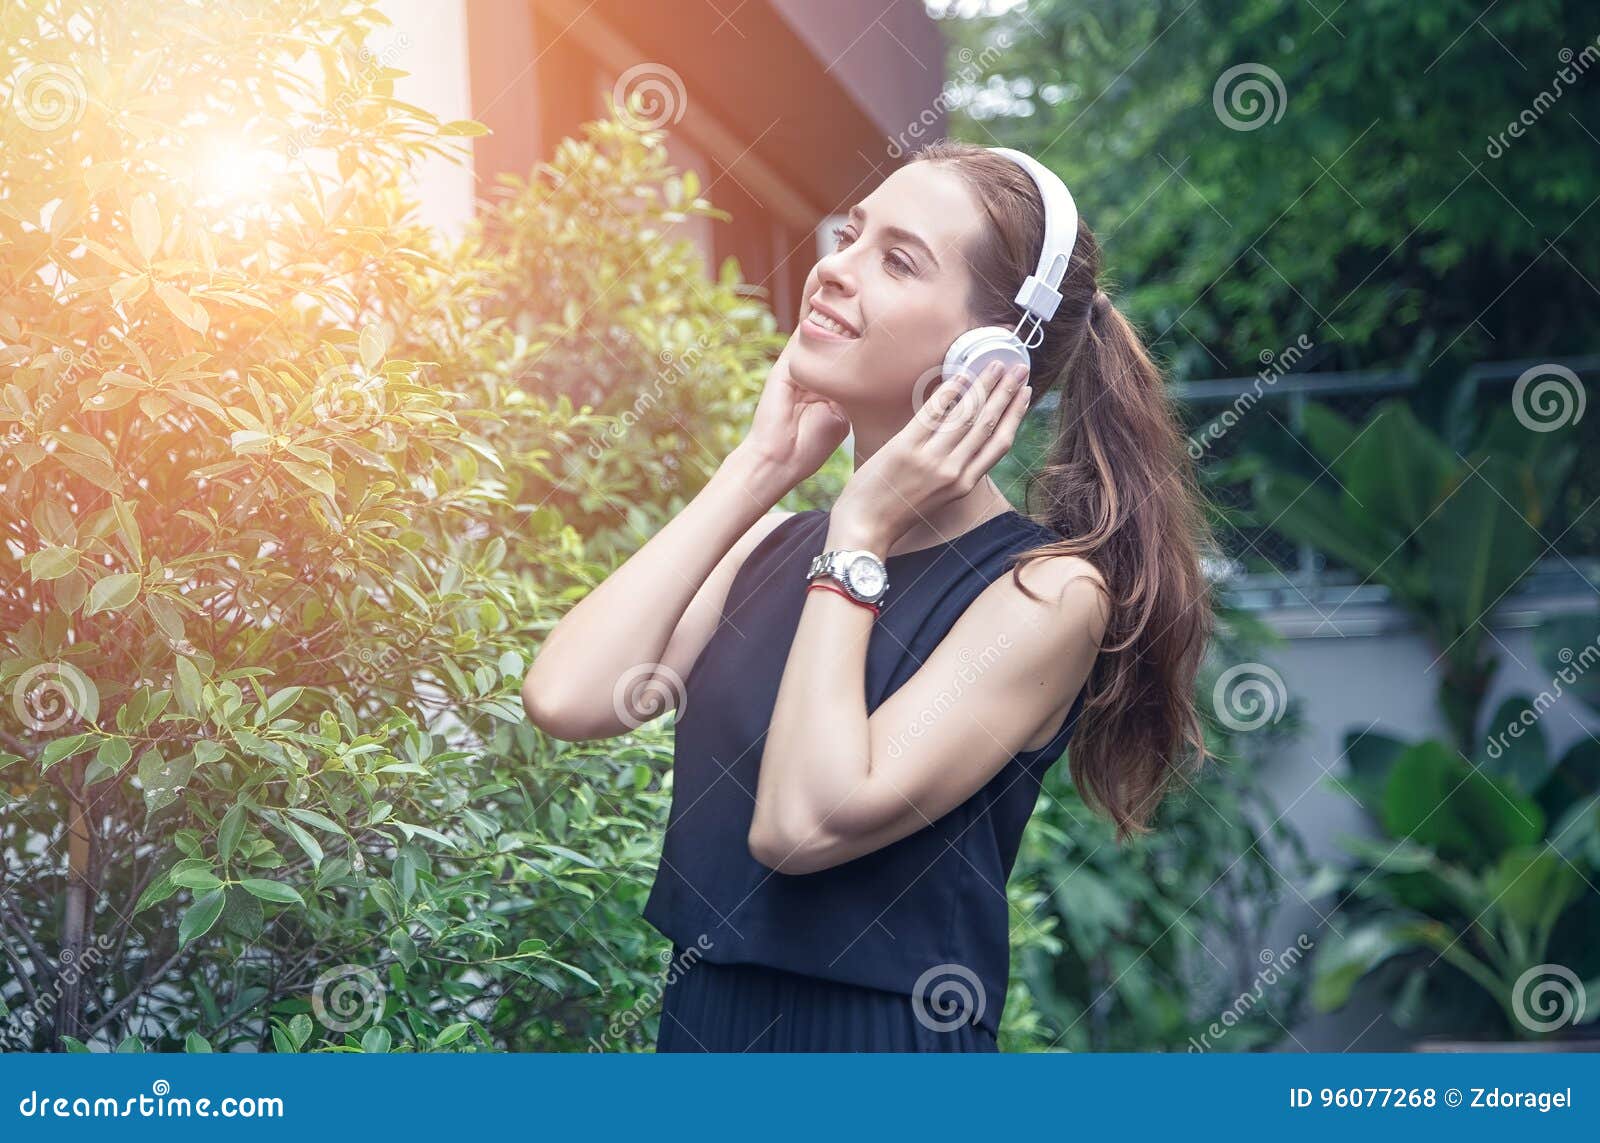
(1040, 294)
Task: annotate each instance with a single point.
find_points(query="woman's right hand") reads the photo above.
(794, 430)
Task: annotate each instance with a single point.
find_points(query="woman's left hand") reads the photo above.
(949, 445)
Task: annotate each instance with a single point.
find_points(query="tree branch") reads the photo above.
(145, 980)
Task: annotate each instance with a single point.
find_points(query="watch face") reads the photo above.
(866, 576)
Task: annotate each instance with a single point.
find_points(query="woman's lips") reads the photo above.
(812, 329)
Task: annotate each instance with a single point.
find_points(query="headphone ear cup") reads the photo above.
(973, 351)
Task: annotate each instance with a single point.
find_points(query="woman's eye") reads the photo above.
(894, 260)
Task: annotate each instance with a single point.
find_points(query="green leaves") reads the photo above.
(200, 916)
(1448, 535)
(196, 877)
(311, 477)
(371, 347)
(190, 312)
(293, 1035)
(308, 844)
(113, 593)
(186, 685)
(229, 832)
(1435, 797)
(162, 779)
(1357, 953)
(280, 536)
(60, 749)
(1471, 870)
(274, 891)
(52, 563)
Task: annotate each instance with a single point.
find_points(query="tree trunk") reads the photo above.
(75, 922)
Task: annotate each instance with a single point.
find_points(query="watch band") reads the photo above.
(836, 565)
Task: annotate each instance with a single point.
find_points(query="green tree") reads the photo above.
(1348, 182)
(290, 489)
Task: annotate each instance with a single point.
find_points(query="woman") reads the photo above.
(854, 764)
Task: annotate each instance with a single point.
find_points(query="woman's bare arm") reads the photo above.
(632, 640)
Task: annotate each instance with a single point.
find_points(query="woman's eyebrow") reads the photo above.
(899, 233)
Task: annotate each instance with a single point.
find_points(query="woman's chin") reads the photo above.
(824, 382)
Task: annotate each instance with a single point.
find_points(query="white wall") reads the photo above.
(429, 40)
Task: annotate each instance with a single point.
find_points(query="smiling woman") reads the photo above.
(854, 765)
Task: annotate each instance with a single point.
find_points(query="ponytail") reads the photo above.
(1122, 493)
(1119, 488)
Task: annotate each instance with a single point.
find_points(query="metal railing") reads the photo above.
(1263, 569)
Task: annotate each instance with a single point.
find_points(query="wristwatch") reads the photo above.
(860, 573)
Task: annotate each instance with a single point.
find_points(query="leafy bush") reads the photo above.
(1146, 946)
(1448, 534)
(290, 489)
(1487, 863)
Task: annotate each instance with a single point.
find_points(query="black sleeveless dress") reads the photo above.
(902, 949)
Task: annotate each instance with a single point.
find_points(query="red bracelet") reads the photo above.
(872, 607)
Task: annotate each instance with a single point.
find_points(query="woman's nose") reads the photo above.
(834, 270)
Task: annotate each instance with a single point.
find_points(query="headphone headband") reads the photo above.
(1040, 293)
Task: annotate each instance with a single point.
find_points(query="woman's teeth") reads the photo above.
(829, 324)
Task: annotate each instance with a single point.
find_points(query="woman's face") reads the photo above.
(899, 278)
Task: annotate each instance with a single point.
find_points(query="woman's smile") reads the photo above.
(825, 327)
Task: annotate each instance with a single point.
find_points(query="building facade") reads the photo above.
(787, 110)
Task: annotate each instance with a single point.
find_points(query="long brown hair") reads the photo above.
(1118, 486)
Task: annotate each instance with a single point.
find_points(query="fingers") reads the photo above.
(999, 442)
(986, 423)
(955, 405)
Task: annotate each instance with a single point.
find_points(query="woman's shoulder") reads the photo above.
(1073, 586)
